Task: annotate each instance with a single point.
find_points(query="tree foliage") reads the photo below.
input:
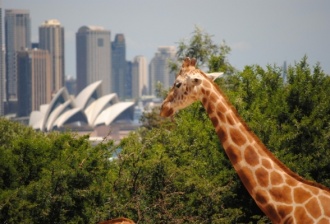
(51, 178)
(170, 170)
(180, 172)
(208, 54)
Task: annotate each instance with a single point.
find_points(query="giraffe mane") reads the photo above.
(264, 148)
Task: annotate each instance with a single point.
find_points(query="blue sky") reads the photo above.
(258, 31)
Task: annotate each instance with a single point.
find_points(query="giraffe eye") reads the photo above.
(178, 84)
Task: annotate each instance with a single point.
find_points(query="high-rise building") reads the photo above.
(159, 70)
(51, 38)
(17, 37)
(120, 70)
(128, 81)
(139, 77)
(2, 81)
(34, 70)
(2, 70)
(93, 57)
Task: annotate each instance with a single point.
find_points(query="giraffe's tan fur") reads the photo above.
(281, 194)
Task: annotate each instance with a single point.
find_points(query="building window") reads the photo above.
(100, 42)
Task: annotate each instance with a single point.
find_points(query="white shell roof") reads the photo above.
(64, 109)
(84, 96)
(67, 115)
(36, 119)
(56, 113)
(95, 108)
(112, 112)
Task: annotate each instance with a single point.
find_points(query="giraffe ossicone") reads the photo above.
(281, 194)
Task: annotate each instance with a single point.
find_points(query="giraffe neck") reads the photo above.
(275, 188)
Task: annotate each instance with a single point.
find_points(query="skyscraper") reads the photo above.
(93, 57)
(17, 37)
(2, 74)
(34, 70)
(51, 38)
(120, 74)
(139, 77)
(159, 70)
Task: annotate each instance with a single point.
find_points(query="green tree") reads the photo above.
(208, 54)
(177, 171)
(170, 170)
(53, 177)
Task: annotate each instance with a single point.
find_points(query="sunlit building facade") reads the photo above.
(159, 70)
(93, 57)
(51, 38)
(139, 77)
(34, 70)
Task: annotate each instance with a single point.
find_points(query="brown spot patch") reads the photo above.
(323, 221)
(291, 181)
(210, 107)
(221, 116)
(266, 164)
(301, 216)
(237, 137)
(230, 119)
(251, 157)
(276, 178)
(325, 205)
(262, 177)
(246, 176)
(271, 212)
(215, 121)
(313, 208)
(284, 210)
(221, 107)
(222, 134)
(281, 194)
(301, 195)
(314, 190)
(262, 197)
(213, 97)
(288, 220)
(234, 154)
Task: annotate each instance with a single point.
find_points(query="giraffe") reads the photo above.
(281, 194)
(118, 221)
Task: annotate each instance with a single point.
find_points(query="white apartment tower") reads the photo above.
(139, 77)
(159, 71)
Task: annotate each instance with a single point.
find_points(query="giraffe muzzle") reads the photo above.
(166, 110)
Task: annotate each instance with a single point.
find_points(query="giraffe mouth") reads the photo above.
(166, 110)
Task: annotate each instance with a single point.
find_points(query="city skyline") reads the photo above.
(258, 32)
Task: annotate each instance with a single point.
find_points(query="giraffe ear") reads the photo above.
(186, 62)
(214, 75)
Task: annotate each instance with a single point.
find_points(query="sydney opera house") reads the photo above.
(89, 108)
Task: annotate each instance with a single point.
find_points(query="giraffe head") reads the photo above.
(187, 87)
